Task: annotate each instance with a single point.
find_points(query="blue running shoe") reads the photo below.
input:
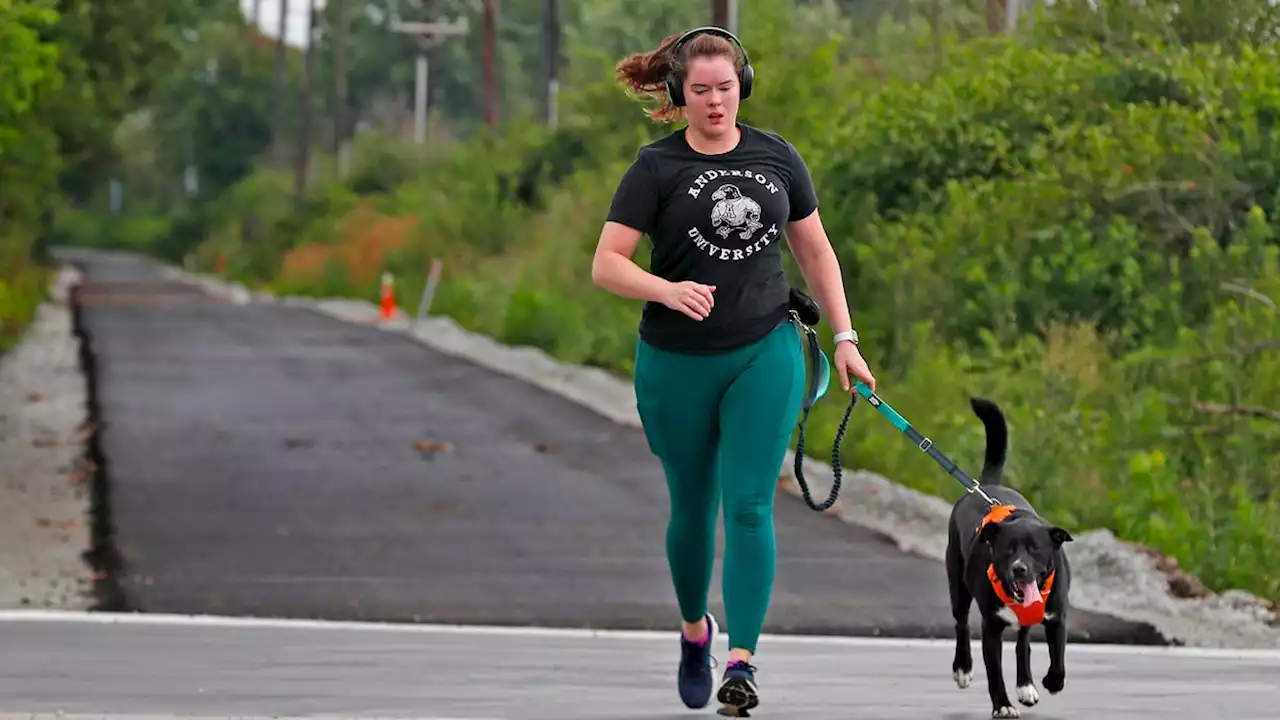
(738, 692)
(694, 676)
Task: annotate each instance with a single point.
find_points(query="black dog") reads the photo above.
(1012, 562)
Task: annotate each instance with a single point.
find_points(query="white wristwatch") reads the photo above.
(850, 335)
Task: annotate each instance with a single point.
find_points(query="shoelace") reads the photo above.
(692, 669)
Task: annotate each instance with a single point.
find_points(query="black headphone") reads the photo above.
(675, 80)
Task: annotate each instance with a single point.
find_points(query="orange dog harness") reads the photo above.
(1032, 614)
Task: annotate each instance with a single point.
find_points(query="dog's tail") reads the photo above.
(997, 439)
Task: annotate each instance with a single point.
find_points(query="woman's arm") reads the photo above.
(821, 269)
(615, 271)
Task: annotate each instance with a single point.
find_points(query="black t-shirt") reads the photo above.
(716, 220)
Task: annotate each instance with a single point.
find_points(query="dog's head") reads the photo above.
(1023, 553)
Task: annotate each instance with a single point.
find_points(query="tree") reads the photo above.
(213, 111)
(29, 68)
(113, 53)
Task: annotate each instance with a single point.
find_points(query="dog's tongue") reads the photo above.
(1030, 594)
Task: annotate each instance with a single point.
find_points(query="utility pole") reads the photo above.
(996, 12)
(1003, 14)
(720, 13)
(340, 89)
(304, 125)
(551, 13)
(429, 34)
(490, 62)
(277, 99)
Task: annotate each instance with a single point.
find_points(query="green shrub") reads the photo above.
(1065, 233)
(23, 286)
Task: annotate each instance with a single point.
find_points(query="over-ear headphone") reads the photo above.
(675, 80)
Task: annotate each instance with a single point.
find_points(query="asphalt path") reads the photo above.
(269, 460)
(151, 667)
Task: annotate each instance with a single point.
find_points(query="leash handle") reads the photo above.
(884, 407)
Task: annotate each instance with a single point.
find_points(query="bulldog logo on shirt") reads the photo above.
(734, 210)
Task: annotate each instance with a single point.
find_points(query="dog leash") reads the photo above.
(821, 380)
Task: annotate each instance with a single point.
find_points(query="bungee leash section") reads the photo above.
(805, 315)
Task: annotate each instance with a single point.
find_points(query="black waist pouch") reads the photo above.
(805, 308)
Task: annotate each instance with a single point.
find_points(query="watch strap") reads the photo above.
(850, 335)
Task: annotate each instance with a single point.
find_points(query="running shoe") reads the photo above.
(738, 692)
(694, 676)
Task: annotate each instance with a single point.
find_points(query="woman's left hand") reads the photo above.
(848, 362)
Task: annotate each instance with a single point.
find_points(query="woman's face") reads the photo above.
(711, 95)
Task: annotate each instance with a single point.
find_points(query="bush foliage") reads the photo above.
(1083, 232)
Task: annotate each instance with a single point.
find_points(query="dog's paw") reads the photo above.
(1027, 695)
(1054, 681)
(963, 678)
(1008, 711)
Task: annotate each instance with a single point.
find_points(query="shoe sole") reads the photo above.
(737, 696)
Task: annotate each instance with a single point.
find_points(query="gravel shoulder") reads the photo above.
(1112, 577)
(45, 479)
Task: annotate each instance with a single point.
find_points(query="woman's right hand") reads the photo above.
(691, 298)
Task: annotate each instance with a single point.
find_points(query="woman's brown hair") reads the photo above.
(646, 73)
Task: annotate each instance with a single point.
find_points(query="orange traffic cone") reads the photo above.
(388, 304)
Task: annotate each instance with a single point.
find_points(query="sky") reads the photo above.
(295, 26)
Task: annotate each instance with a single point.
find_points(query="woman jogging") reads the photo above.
(719, 369)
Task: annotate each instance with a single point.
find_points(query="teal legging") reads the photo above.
(721, 425)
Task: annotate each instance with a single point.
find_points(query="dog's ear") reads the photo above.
(1059, 535)
(988, 532)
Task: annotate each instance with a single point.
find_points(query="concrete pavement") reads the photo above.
(149, 667)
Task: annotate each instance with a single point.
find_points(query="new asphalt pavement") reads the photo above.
(268, 460)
